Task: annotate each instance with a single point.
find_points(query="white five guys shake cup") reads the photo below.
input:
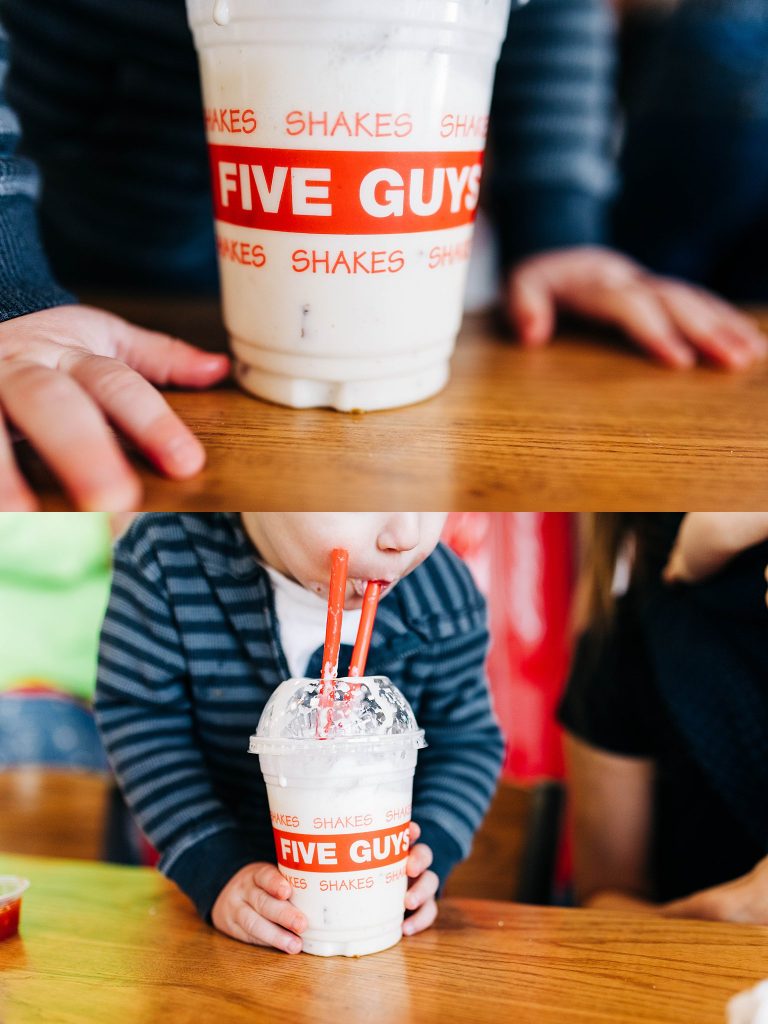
(341, 808)
(346, 143)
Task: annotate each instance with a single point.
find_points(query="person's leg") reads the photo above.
(42, 729)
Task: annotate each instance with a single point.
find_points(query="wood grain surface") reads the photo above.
(581, 425)
(104, 944)
(56, 811)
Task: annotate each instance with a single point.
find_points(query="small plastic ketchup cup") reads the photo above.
(11, 890)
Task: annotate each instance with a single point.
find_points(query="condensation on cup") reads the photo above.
(346, 144)
(340, 804)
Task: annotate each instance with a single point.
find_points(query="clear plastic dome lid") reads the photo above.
(362, 708)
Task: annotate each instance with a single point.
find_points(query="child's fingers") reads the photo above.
(416, 830)
(67, 428)
(704, 327)
(279, 912)
(268, 878)
(139, 411)
(530, 307)
(423, 918)
(15, 495)
(423, 889)
(419, 859)
(735, 320)
(261, 932)
(640, 314)
(166, 360)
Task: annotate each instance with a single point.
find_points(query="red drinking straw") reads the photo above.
(365, 629)
(336, 594)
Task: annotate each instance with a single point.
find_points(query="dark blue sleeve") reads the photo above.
(144, 714)
(26, 282)
(457, 772)
(552, 126)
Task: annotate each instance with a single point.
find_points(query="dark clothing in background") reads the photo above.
(694, 166)
(682, 678)
(552, 160)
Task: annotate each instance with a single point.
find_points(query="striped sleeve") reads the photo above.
(144, 714)
(26, 282)
(552, 123)
(457, 772)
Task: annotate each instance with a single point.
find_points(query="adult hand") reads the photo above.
(672, 321)
(65, 374)
(743, 901)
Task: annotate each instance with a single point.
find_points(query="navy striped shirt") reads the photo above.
(553, 127)
(190, 653)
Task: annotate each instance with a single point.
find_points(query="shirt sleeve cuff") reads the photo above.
(445, 850)
(204, 869)
(26, 282)
(548, 218)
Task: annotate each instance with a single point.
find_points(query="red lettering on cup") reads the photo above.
(344, 193)
(357, 851)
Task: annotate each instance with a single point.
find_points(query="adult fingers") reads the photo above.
(641, 315)
(423, 889)
(422, 919)
(419, 859)
(415, 832)
(531, 307)
(260, 932)
(67, 429)
(15, 494)
(705, 327)
(139, 411)
(166, 360)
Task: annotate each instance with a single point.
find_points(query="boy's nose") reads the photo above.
(400, 532)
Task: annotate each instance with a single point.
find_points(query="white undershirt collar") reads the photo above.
(301, 617)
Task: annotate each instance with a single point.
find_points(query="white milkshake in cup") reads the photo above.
(341, 808)
(346, 142)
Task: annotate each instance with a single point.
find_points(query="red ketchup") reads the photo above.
(11, 890)
(9, 918)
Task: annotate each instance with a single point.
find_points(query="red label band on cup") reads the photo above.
(344, 193)
(359, 851)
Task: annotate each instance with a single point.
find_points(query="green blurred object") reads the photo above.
(54, 584)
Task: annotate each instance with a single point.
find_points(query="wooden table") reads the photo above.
(105, 944)
(582, 425)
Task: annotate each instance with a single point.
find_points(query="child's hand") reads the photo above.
(65, 373)
(253, 907)
(671, 320)
(422, 886)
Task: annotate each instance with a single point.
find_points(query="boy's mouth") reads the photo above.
(359, 585)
